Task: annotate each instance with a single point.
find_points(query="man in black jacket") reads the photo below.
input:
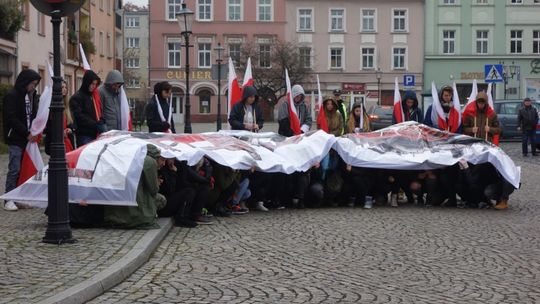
(20, 109)
(86, 111)
(527, 121)
(246, 114)
(157, 110)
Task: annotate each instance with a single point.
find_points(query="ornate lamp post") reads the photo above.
(58, 229)
(185, 19)
(509, 71)
(219, 49)
(379, 76)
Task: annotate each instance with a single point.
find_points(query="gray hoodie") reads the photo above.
(110, 101)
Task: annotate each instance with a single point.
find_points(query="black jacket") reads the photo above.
(152, 114)
(83, 109)
(413, 114)
(236, 117)
(527, 118)
(15, 125)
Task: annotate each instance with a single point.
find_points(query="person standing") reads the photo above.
(86, 111)
(246, 114)
(158, 111)
(527, 121)
(483, 122)
(109, 93)
(20, 109)
(304, 114)
(341, 106)
(410, 108)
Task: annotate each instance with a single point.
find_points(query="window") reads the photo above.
(264, 10)
(173, 8)
(173, 52)
(264, 56)
(400, 20)
(536, 42)
(133, 83)
(481, 1)
(234, 10)
(516, 41)
(40, 23)
(449, 42)
(204, 101)
(305, 23)
(234, 52)
(204, 55)
(305, 57)
(132, 63)
(482, 42)
(204, 8)
(368, 58)
(109, 45)
(449, 1)
(132, 22)
(132, 42)
(516, 1)
(368, 20)
(398, 60)
(101, 44)
(336, 20)
(25, 9)
(336, 58)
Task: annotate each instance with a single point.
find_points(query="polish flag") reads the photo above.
(398, 108)
(470, 107)
(321, 118)
(31, 161)
(95, 94)
(248, 76)
(125, 113)
(438, 116)
(234, 90)
(293, 116)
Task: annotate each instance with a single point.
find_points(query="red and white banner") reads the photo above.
(321, 117)
(248, 75)
(234, 90)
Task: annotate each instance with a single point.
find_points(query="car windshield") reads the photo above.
(386, 111)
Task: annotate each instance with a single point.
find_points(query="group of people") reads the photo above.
(190, 194)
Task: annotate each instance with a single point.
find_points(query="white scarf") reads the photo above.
(160, 110)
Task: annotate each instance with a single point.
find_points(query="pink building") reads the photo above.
(229, 22)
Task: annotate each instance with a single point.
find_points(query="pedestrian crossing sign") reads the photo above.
(493, 73)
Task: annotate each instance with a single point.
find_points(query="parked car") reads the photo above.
(507, 111)
(380, 116)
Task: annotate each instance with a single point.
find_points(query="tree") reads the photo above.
(270, 81)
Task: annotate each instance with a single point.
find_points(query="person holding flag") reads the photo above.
(410, 109)
(332, 117)
(109, 93)
(302, 111)
(20, 109)
(86, 112)
(159, 109)
(358, 121)
(445, 111)
(480, 120)
(246, 114)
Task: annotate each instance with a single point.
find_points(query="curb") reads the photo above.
(117, 272)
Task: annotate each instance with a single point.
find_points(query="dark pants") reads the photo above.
(500, 190)
(179, 204)
(526, 137)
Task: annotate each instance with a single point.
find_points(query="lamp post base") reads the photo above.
(58, 233)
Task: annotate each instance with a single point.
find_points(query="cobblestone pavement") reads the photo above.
(342, 255)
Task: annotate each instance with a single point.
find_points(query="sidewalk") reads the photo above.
(35, 272)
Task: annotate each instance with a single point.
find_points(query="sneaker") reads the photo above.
(236, 209)
(461, 205)
(10, 206)
(368, 204)
(203, 220)
(260, 206)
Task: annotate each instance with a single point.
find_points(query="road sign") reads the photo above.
(408, 80)
(493, 73)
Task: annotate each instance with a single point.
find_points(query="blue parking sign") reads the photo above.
(408, 80)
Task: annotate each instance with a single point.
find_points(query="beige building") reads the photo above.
(102, 30)
(349, 44)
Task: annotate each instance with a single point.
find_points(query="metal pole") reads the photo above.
(379, 91)
(219, 95)
(187, 122)
(58, 229)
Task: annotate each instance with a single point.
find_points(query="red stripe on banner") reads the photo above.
(293, 118)
(73, 157)
(398, 112)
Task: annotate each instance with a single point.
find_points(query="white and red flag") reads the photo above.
(248, 75)
(321, 118)
(95, 94)
(451, 122)
(293, 116)
(234, 91)
(398, 107)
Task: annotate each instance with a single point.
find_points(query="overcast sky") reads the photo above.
(137, 2)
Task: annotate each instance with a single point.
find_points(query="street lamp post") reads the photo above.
(379, 76)
(509, 71)
(219, 49)
(185, 19)
(58, 229)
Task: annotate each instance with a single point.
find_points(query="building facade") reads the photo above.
(462, 37)
(135, 59)
(232, 23)
(359, 47)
